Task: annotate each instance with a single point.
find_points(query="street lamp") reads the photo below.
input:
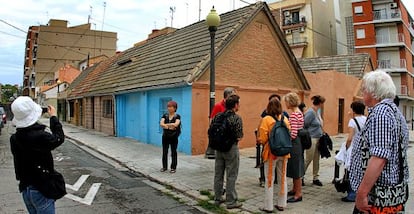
(212, 21)
(57, 97)
(58, 83)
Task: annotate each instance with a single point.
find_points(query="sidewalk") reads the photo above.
(195, 173)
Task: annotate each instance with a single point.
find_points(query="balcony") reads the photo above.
(297, 41)
(411, 28)
(393, 65)
(390, 39)
(382, 15)
(403, 91)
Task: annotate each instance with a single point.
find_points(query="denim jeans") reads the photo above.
(36, 203)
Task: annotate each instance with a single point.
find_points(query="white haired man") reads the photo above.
(379, 161)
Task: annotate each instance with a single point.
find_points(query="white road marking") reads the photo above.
(88, 199)
(75, 187)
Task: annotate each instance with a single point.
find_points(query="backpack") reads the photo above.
(279, 139)
(219, 133)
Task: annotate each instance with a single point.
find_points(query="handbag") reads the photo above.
(51, 183)
(343, 184)
(305, 139)
(388, 195)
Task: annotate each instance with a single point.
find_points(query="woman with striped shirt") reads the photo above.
(296, 164)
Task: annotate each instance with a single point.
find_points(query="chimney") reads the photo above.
(160, 32)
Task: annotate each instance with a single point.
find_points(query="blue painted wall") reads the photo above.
(138, 115)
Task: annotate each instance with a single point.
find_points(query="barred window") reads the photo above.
(107, 108)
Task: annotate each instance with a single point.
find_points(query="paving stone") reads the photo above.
(196, 173)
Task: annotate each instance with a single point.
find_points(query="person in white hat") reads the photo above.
(31, 147)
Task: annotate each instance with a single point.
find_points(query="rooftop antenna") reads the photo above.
(103, 18)
(199, 10)
(103, 21)
(172, 11)
(186, 14)
(90, 14)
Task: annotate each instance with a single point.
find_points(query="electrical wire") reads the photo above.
(9, 34)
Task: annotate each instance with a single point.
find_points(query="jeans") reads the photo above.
(36, 203)
(227, 162)
(166, 142)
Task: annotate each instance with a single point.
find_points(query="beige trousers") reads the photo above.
(313, 154)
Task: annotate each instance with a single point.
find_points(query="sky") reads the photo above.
(133, 20)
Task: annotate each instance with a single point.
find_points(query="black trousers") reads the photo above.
(166, 143)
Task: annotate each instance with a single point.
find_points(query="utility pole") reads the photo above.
(172, 11)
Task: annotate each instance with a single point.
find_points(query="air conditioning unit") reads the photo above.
(288, 31)
(302, 29)
(393, 5)
(286, 13)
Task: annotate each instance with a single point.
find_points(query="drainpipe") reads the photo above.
(114, 115)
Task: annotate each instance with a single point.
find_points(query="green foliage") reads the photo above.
(211, 207)
(7, 91)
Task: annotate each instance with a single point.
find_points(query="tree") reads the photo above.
(8, 91)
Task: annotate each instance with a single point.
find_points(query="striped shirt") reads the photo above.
(384, 127)
(296, 121)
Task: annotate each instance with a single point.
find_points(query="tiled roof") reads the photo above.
(66, 74)
(180, 57)
(82, 85)
(350, 64)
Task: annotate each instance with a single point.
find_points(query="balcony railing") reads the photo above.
(403, 90)
(384, 15)
(389, 64)
(389, 38)
(297, 41)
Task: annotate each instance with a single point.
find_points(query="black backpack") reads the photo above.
(279, 139)
(219, 133)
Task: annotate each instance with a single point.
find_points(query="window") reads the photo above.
(107, 108)
(163, 107)
(360, 33)
(295, 17)
(358, 10)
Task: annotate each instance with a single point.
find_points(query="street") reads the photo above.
(93, 185)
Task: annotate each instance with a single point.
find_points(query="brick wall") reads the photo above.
(256, 64)
(103, 124)
(88, 113)
(255, 56)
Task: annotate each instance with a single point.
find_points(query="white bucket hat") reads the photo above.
(26, 112)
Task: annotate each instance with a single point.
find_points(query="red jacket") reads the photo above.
(218, 107)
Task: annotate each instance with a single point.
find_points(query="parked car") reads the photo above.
(3, 118)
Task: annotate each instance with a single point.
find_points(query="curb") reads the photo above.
(152, 179)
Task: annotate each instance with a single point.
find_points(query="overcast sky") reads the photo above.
(133, 20)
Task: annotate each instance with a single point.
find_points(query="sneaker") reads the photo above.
(234, 205)
(163, 169)
(317, 182)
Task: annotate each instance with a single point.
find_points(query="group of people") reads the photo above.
(378, 143)
(377, 167)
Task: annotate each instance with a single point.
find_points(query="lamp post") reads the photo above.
(212, 21)
(57, 97)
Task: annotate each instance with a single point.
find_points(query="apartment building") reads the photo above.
(51, 46)
(385, 30)
(309, 26)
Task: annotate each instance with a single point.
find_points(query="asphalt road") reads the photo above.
(106, 186)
